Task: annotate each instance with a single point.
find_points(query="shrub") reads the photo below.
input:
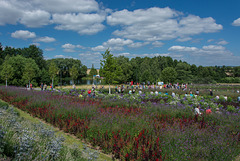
(231, 108)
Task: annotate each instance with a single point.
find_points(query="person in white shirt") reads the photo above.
(197, 110)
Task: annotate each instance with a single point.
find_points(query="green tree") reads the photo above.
(64, 65)
(183, 72)
(74, 73)
(6, 71)
(169, 75)
(109, 68)
(30, 71)
(53, 70)
(36, 54)
(93, 71)
(125, 71)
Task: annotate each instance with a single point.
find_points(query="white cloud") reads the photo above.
(71, 48)
(68, 46)
(193, 25)
(236, 22)
(117, 44)
(45, 39)
(23, 34)
(213, 48)
(157, 44)
(49, 49)
(63, 6)
(99, 48)
(9, 14)
(183, 39)
(222, 42)
(123, 54)
(182, 49)
(155, 24)
(62, 56)
(210, 40)
(205, 50)
(35, 18)
(207, 55)
(82, 23)
(83, 16)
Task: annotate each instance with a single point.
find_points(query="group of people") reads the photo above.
(208, 111)
(44, 87)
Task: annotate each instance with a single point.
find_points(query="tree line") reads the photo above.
(24, 65)
(20, 66)
(121, 69)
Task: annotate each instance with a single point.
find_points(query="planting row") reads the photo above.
(137, 131)
(23, 140)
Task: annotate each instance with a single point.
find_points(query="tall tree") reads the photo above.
(126, 71)
(93, 71)
(108, 68)
(36, 54)
(30, 71)
(183, 72)
(74, 73)
(53, 70)
(6, 71)
(169, 75)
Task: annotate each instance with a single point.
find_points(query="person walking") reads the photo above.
(211, 92)
(45, 87)
(41, 86)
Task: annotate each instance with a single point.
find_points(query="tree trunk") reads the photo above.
(6, 82)
(109, 89)
(29, 85)
(52, 83)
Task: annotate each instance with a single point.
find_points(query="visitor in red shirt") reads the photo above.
(209, 111)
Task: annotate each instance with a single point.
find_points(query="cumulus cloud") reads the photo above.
(193, 25)
(236, 22)
(207, 55)
(82, 16)
(35, 18)
(210, 40)
(123, 54)
(63, 56)
(63, 6)
(71, 48)
(183, 39)
(216, 50)
(45, 39)
(9, 14)
(222, 42)
(49, 49)
(23, 34)
(99, 48)
(182, 49)
(155, 24)
(118, 44)
(157, 44)
(81, 22)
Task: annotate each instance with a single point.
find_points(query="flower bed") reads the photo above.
(24, 140)
(136, 131)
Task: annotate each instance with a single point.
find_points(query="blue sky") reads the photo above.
(201, 32)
